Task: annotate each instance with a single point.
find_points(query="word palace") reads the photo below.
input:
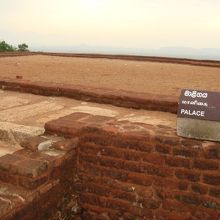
(192, 112)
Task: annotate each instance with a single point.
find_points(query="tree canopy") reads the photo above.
(5, 47)
(23, 47)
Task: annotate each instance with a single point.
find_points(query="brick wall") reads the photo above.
(139, 171)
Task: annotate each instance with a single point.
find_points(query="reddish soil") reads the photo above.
(136, 76)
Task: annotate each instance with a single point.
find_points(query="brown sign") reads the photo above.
(201, 105)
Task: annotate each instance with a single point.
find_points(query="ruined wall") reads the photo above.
(139, 171)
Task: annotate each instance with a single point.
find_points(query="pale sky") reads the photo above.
(112, 23)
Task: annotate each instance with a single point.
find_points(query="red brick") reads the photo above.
(189, 198)
(140, 179)
(103, 190)
(66, 145)
(179, 216)
(120, 141)
(173, 205)
(97, 119)
(212, 152)
(214, 192)
(95, 149)
(167, 140)
(211, 179)
(150, 203)
(205, 164)
(126, 154)
(164, 149)
(177, 162)
(103, 171)
(101, 212)
(32, 183)
(185, 152)
(104, 202)
(62, 127)
(183, 185)
(199, 188)
(119, 185)
(154, 158)
(127, 165)
(191, 143)
(33, 142)
(165, 182)
(205, 214)
(162, 214)
(27, 154)
(8, 161)
(30, 168)
(188, 175)
(131, 177)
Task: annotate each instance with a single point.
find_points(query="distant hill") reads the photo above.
(178, 52)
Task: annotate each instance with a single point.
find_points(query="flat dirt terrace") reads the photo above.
(65, 153)
(136, 76)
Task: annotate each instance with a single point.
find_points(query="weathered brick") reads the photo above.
(127, 165)
(189, 199)
(104, 202)
(52, 161)
(190, 143)
(205, 213)
(33, 142)
(30, 168)
(161, 214)
(210, 204)
(173, 205)
(178, 162)
(77, 116)
(185, 152)
(188, 175)
(126, 154)
(183, 185)
(140, 179)
(8, 161)
(138, 144)
(214, 192)
(168, 140)
(103, 190)
(180, 216)
(97, 119)
(199, 188)
(154, 158)
(150, 203)
(212, 152)
(125, 142)
(99, 212)
(165, 149)
(211, 179)
(103, 171)
(66, 145)
(62, 127)
(205, 164)
(32, 183)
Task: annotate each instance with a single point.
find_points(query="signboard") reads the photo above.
(199, 114)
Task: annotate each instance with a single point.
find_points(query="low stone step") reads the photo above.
(15, 133)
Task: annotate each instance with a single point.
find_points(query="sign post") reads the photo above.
(199, 115)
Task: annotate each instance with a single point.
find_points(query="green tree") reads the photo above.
(4, 47)
(23, 47)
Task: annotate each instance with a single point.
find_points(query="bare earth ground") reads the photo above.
(137, 76)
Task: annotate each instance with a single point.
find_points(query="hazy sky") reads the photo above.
(114, 23)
